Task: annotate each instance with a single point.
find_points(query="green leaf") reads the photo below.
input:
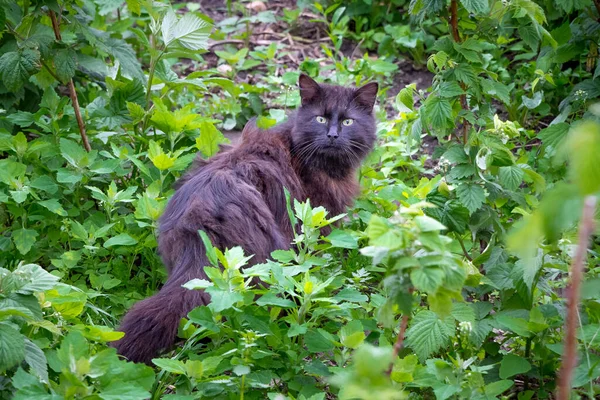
(120, 240)
(124, 53)
(318, 341)
(427, 279)
(209, 140)
(428, 333)
(36, 359)
(272, 299)
(203, 316)
(342, 239)
(456, 154)
(554, 135)
(173, 366)
(450, 89)
(583, 147)
(513, 365)
(65, 63)
(17, 66)
(471, 195)
(222, 299)
(494, 389)
(196, 284)
(476, 6)
(352, 335)
(12, 347)
(54, 206)
(24, 239)
(190, 31)
(511, 177)
(38, 279)
(462, 312)
(119, 390)
(438, 112)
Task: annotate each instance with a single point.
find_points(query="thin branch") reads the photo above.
(464, 249)
(586, 229)
(454, 20)
(597, 4)
(72, 91)
(399, 342)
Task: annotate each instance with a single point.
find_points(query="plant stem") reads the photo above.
(586, 229)
(464, 249)
(454, 20)
(72, 91)
(399, 342)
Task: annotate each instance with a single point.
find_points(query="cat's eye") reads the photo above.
(347, 122)
(321, 120)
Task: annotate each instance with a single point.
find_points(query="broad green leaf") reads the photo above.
(476, 6)
(36, 359)
(496, 388)
(119, 390)
(471, 195)
(120, 240)
(24, 239)
(427, 279)
(318, 341)
(12, 347)
(17, 66)
(203, 316)
(222, 299)
(190, 31)
(352, 334)
(272, 299)
(209, 140)
(65, 63)
(583, 147)
(196, 284)
(342, 239)
(513, 365)
(173, 366)
(54, 206)
(450, 89)
(511, 177)
(438, 112)
(428, 333)
(554, 135)
(38, 279)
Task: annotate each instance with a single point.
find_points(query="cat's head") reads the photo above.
(334, 127)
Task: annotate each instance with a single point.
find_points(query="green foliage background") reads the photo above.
(489, 137)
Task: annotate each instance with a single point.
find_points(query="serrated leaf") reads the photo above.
(554, 135)
(428, 333)
(24, 239)
(36, 359)
(39, 280)
(119, 390)
(472, 196)
(427, 279)
(190, 31)
(209, 140)
(511, 177)
(65, 63)
(438, 112)
(450, 89)
(476, 6)
(124, 53)
(17, 66)
(12, 347)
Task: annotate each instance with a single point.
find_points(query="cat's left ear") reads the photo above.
(366, 95)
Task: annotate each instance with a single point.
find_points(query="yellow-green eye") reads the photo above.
(321, 120)
(347, 122)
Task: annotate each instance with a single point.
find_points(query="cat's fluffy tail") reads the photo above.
(151, 325)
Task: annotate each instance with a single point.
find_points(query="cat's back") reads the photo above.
(239, 188)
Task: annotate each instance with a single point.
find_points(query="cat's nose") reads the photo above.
(332, 134)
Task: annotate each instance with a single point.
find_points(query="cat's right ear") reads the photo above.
(309, 89)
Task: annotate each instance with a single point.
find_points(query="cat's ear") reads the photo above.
(309, 89)
(366, 95)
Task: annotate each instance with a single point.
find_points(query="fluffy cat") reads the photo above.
(237, 198)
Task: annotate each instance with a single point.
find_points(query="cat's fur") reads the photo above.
(237, 198)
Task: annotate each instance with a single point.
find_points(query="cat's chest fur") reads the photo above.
(333, 194)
